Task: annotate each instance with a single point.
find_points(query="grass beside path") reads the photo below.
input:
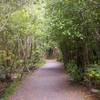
(10, 90)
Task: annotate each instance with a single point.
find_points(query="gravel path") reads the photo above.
(49, 83)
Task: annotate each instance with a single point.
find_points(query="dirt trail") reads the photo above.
(49, 83)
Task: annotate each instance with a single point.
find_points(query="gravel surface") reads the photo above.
(49, 83)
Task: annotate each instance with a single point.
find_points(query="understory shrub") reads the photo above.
(93, 74)
(73, 70)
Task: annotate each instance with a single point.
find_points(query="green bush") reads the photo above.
(60, 58)
(73, 70)
(93, 72)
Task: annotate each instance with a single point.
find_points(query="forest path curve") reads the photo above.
(49, 83)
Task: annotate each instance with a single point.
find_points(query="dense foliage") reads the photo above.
(75, 26)
(21, 39)
(29, 27)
